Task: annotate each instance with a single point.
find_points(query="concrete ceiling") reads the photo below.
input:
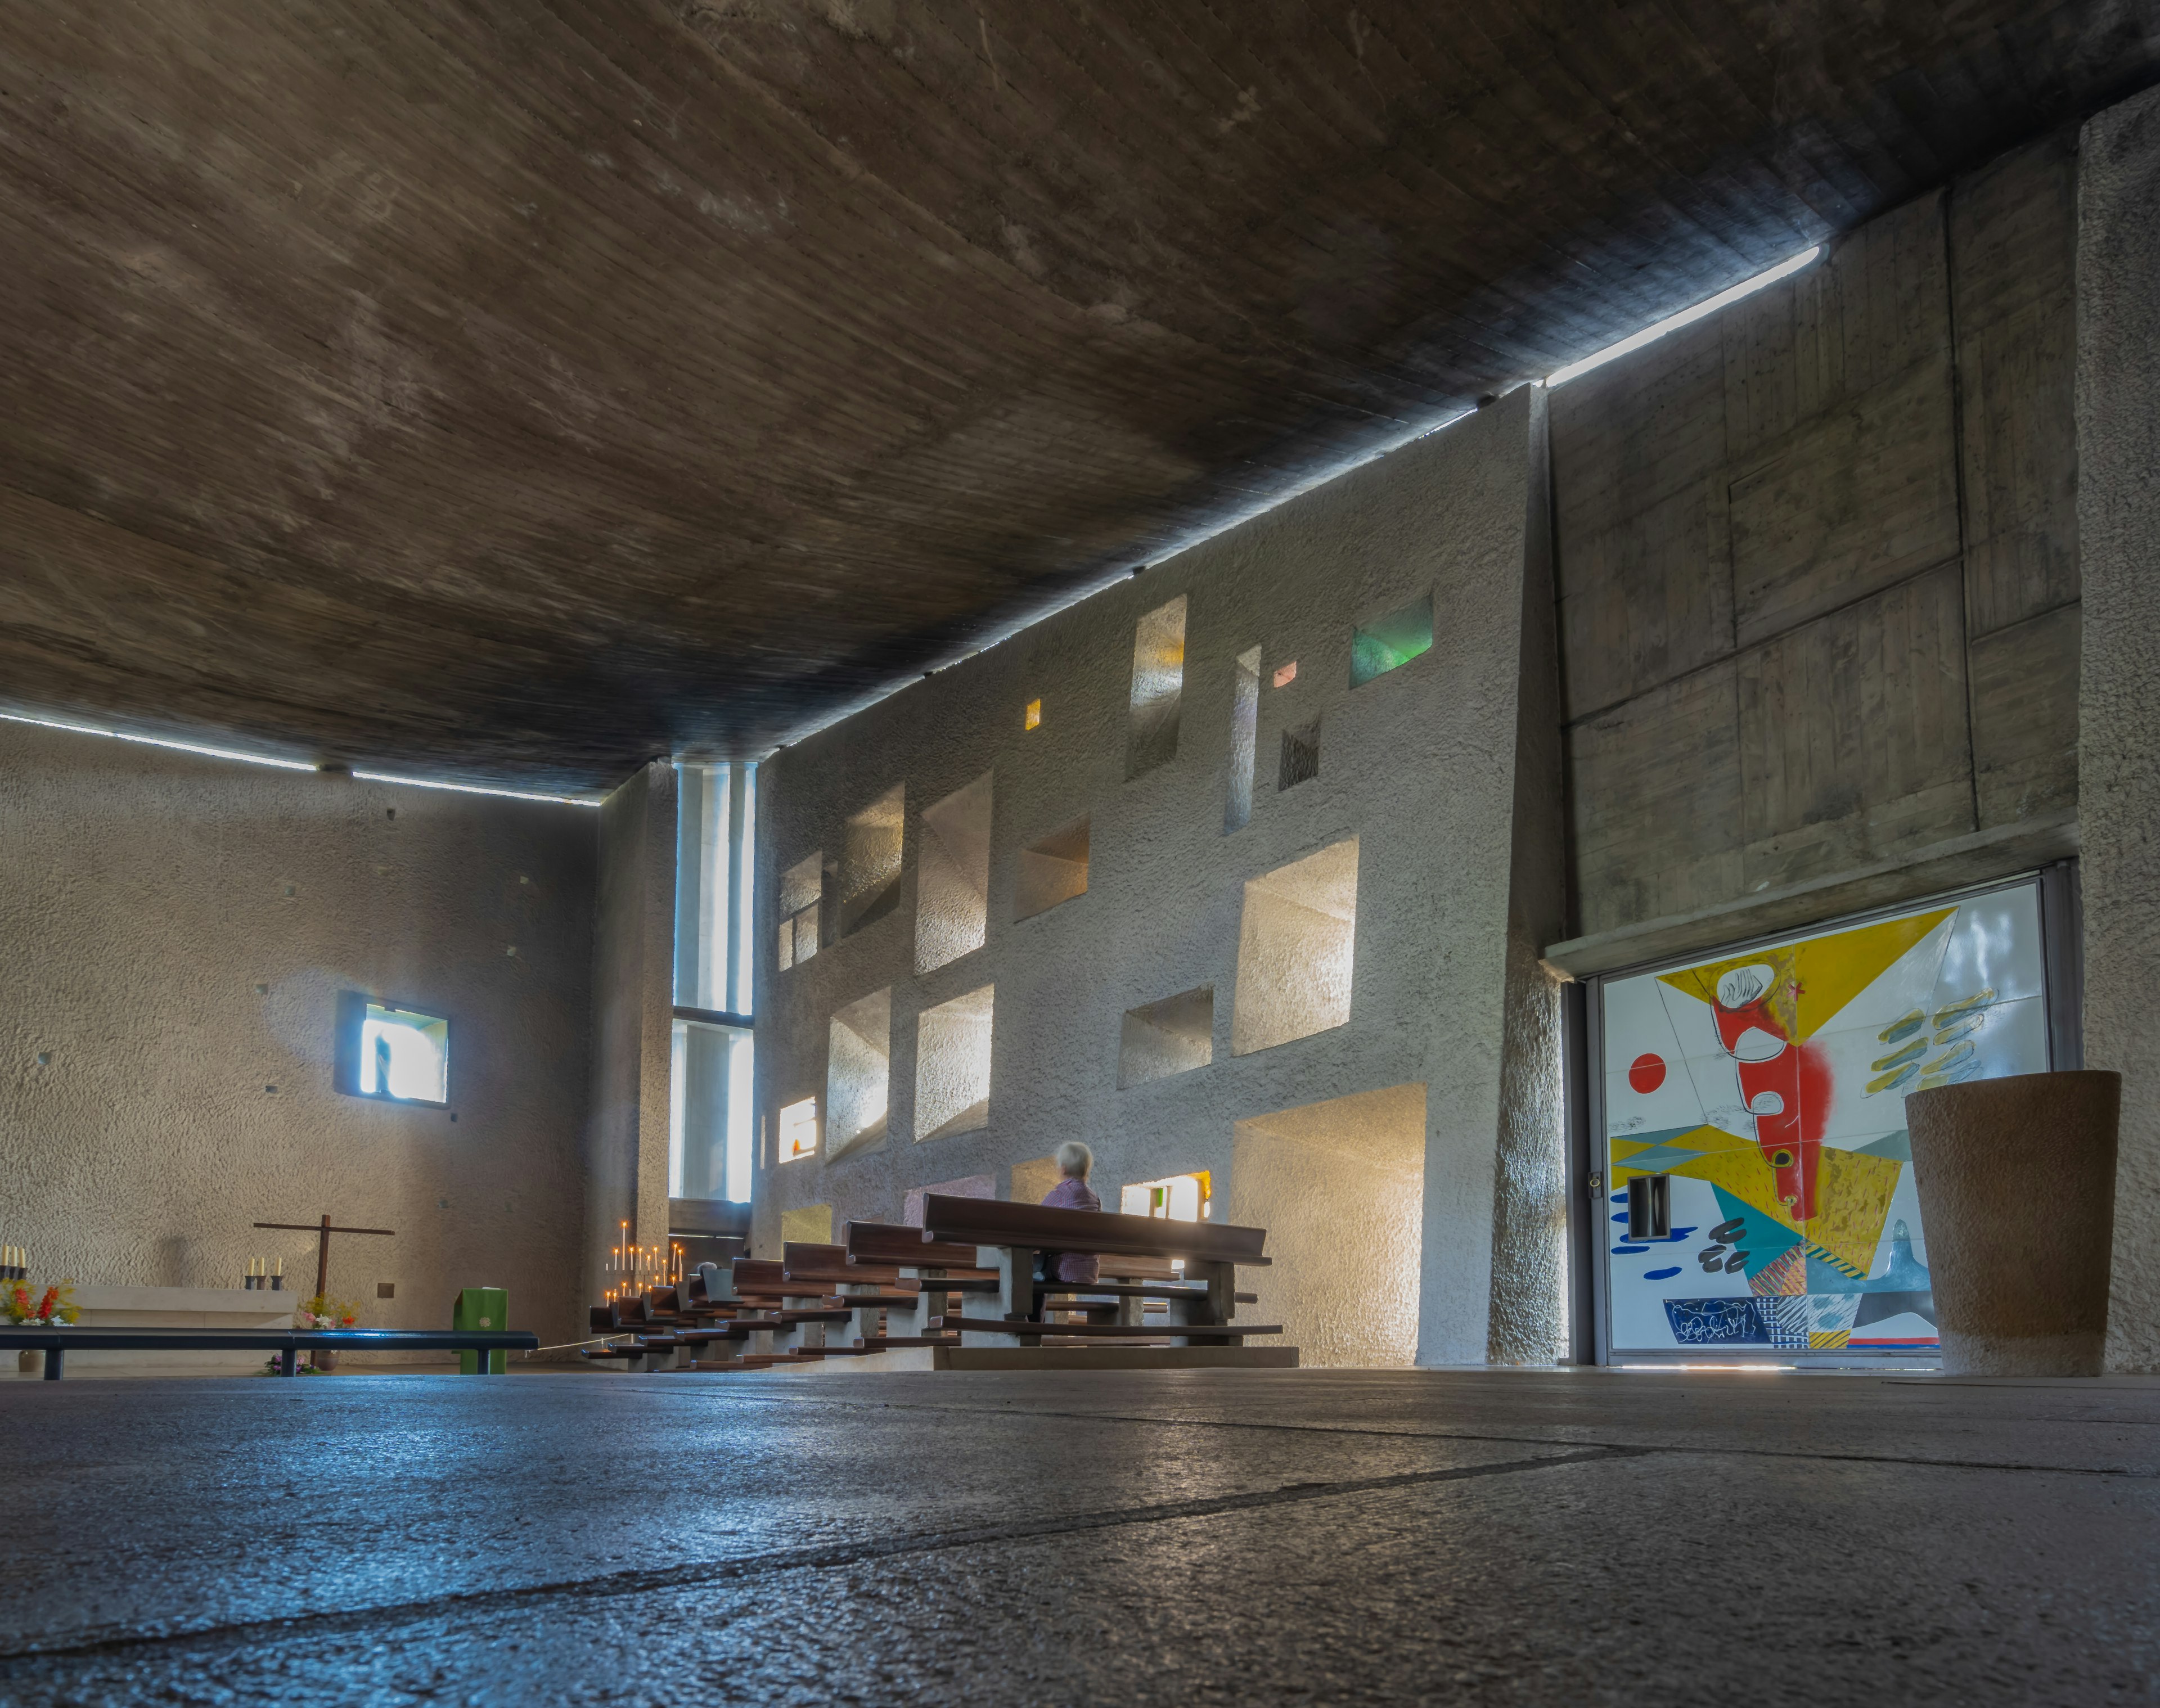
(516, 390)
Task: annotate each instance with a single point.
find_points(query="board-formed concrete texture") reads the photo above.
(1240, 1537)
(178, 930)
(1419, 777)
(2118, 412)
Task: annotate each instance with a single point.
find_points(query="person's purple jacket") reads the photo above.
(1072, 1194)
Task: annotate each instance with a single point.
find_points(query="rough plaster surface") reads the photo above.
(1339, 1186)
(633, 982)
(1419, 766)
(2119, 684)
(148, 893)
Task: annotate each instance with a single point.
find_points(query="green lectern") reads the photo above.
(482, 1307)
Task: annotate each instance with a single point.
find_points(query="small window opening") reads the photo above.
(402, 1055)
(858, 1075)
(1392, 642)
(952, 1065)
(1033, 717)
(802, 888)
(953, 876)
(869, 861)
(1182, 1198)
(1052, 871)
(798, 1129)
(1174, 1036)
(1296, 946)
(1244, 740)
(1158, 688)
(1300, 756)
(1286, 674)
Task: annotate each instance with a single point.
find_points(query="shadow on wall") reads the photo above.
(1340, 1187)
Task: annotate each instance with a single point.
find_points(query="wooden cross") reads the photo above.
(323, 1247)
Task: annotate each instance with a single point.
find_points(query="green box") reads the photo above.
(484, 1308)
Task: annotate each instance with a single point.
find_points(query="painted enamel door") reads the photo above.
(1769, 1085)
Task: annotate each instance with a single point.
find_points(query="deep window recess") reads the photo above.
(1244, 739)
(1158, 688)
(1389, 642)
(1300, 755)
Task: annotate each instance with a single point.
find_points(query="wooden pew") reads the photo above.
(941, 1272)
(1011, 1240)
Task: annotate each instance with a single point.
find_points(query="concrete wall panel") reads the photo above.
(149, 893)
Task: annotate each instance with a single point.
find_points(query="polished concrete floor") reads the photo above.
(1239, 1537)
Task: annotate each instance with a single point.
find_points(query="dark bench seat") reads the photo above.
(1232, 1331)
(286, 1343)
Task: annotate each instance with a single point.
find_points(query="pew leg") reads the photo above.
(53, 1357)
(288, 1362)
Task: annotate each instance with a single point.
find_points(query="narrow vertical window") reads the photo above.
(1244, 740)
(1158, 687)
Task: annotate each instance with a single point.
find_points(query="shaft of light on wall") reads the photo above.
(160, 741)
(231, 753)
(1686, 317)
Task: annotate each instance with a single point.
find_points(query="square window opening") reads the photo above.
(1173, 1035)
(1391, 641)
(392, 1052)
(1300, 756)
(1052, 871)
(1296, 944)
(798, 1129)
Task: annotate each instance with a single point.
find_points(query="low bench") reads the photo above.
(1013, 1240)
(286, 1343)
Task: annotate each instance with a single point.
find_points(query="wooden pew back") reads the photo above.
(993, 1221)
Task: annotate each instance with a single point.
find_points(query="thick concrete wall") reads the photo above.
(633, 946)
(1420, 766)
(2118, 415)
(1818, 569)
(175, 932)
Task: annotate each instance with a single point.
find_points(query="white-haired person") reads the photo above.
(1072, 1193)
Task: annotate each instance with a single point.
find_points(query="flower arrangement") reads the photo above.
(26, 1307)
(323, 1311)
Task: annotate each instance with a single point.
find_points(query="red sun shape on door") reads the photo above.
(1646, 1073)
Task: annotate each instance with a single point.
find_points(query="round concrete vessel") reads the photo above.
(2017, 1185)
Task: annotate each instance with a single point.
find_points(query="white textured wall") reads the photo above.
(1419, 766)
(144, 895)
(2119, 688)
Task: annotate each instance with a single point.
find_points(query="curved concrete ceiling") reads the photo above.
(515, 390)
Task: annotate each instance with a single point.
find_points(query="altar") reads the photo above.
(173, 1307)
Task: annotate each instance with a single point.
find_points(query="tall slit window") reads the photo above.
(1244, 739)
(711, 1058)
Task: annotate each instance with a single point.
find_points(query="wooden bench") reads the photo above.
(286, 1343)
(1011, 1241)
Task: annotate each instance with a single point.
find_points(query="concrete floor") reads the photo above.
(1239, 1537)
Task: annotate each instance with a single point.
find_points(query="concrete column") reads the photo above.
(2118, 415)
(633, 1015)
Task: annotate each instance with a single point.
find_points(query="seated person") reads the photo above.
(1072, 1192)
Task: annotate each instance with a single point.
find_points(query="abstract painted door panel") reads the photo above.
(1770, 1085)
